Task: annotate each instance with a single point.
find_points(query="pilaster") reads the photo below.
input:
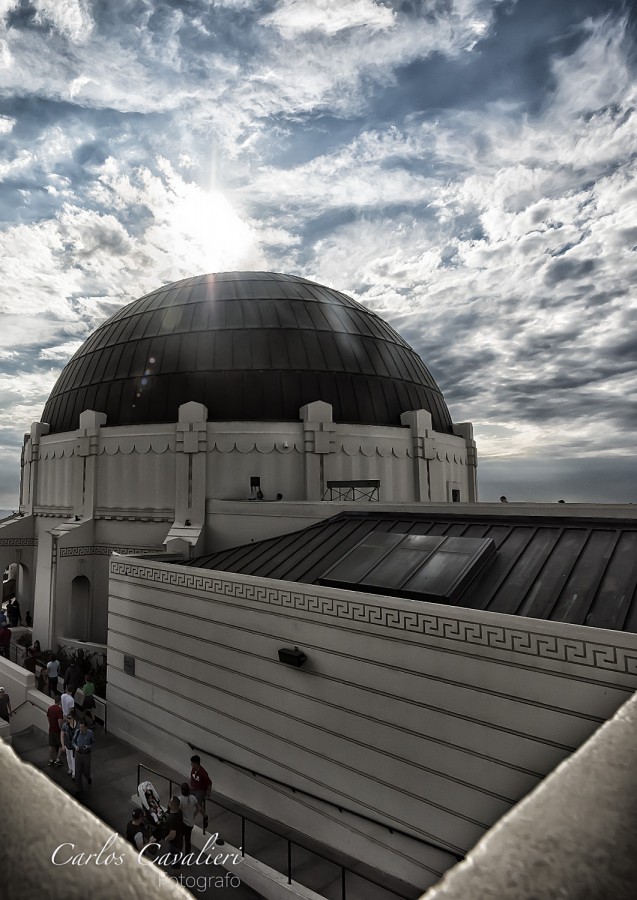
(420, 423)
(465, 430)
(31, 457)
(87, 447)
(318, 440)
(190, 462)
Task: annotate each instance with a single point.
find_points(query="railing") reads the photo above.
(344, 870)
(295, 790)
(17, 653)
(368, 489)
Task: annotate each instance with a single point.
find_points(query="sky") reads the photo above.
(465, 168)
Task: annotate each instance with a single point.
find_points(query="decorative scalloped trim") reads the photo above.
(57, 452)
(137, 446)
(229, 445)
(358, 448)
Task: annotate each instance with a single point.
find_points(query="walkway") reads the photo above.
(115, 781)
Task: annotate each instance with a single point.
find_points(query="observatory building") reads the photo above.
(248, 490)
(224, 387)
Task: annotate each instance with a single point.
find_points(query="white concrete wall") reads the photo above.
(55, 483)
(232, 523)
(136, 480)
(448, 465)
(151, 479)
(28, 704)
(65, 549)
(434, 720)
(132, 469)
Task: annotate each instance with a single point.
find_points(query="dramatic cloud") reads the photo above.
(467, 169)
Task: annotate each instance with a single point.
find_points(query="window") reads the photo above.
(416, 566)
(255, 488)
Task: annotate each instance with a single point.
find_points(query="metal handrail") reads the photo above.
(290, 842)
(296, 790)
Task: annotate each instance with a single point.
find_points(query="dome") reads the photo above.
(250, 346)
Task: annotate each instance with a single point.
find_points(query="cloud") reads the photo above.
(296, 17)
(465, 168)
(70, 18)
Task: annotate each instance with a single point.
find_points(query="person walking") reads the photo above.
(5, 640)
(69, 727)
(15, 614)
(55, 716)
(175, 835)
(5, 706)
(32, 657)
(68, 701)
(89, 700)
(200, 786)
(83, 745)
(53, 671)
(73, 677)
(189, 809)
(135, 831)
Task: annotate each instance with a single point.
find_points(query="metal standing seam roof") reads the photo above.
(250, 346)
(581, 571)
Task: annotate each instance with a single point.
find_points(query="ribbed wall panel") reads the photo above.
(429, 733)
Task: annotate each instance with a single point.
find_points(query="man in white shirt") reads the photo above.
(189, 806)
(53, 670)
(68, 701)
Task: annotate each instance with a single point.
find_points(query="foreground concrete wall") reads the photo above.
(432, 720)
(37, 817)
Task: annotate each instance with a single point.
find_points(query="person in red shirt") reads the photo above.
(55, 716)
(200, 786)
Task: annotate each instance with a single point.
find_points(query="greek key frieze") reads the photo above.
(107, 550)
(18, 542)
(497, 637)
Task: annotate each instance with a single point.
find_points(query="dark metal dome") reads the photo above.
(251, 346)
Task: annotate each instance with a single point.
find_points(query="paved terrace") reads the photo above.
(114, 774)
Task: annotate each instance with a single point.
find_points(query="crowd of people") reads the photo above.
(70, 737)
(172, 834)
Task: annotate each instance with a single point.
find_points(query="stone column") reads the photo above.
(318, 436)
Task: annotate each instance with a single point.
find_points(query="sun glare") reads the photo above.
(209, 233)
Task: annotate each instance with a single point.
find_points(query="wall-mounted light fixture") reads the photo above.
(292, 656)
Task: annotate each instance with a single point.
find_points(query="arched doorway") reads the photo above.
(78, 616)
